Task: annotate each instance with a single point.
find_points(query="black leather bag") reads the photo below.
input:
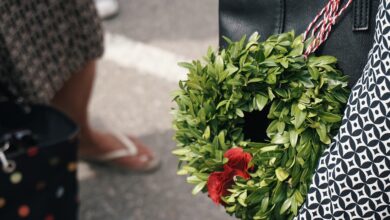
(349, 41)
(37, 163)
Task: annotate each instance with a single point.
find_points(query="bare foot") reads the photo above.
(96, 144)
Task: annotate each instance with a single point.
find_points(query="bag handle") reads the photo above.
(7, 165)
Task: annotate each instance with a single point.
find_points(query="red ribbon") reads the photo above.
(320, 29)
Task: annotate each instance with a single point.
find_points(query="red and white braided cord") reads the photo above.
(320, 29)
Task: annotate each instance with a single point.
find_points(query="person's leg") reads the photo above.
(73, 99)
(74, 96)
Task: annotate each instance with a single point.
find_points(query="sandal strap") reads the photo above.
(130, 150)
(129, 144)
(113, 155)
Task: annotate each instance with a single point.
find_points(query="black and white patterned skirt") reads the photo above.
(352, 180)
(44, 42)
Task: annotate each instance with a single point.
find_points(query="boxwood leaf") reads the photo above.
(239, 112)
(261, 101)
(286, 205)
(198, 187)
(281, 174)
(293, 137)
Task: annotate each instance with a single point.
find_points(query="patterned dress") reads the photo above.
(44, 42)
(352, 180)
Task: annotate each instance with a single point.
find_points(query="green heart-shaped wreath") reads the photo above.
(306, 98)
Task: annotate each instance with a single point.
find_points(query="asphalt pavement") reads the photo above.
(132, 94)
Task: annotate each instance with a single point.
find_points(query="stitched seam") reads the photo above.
(361, 13)
(280, 18)
(276, 30)
(355, 5)
(277, 27)
(367, 17)
(281, 13)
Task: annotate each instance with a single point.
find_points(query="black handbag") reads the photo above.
(350, 41)
(37, 163)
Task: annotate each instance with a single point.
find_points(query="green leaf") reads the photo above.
(182, 172)
(298, 197)
(301, 161)
(206, 134)
(231, 69)
(254, 37)
(268, 148)
(239, 112)
(280, 139)
(186, 65)
(194, 180)
(270, 94)
(293, 137)
(329, 117)
(221, 139)
(271, 78)
(264, 204)
(321, 131)
(307, 82)
(297, 46)
(194, 85)
(300, 117)
(285, 206)
(284, 63)
(219, 64)
(227, 40)
(261, 101)
(222, 103)
(231, 208)
(255, 80)
(294, 206)
(327, 60)
(198, 187)
(281, 174)
(281, 126)
(314, 73)
(241, 199)
(322, 60)
(267, 51)
(181, 151)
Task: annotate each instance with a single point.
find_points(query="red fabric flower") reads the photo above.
(239, 160)
(219, 182)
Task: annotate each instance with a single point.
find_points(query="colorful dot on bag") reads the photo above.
(2, 202)
(16, 178)
(54, 161)
(32, 151)
(24, 211)
(49, 217)
(72, 166)
(60, 192)
(40, 185)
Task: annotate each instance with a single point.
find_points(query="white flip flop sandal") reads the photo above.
(129, 150)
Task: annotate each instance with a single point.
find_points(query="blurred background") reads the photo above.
(143, 44)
